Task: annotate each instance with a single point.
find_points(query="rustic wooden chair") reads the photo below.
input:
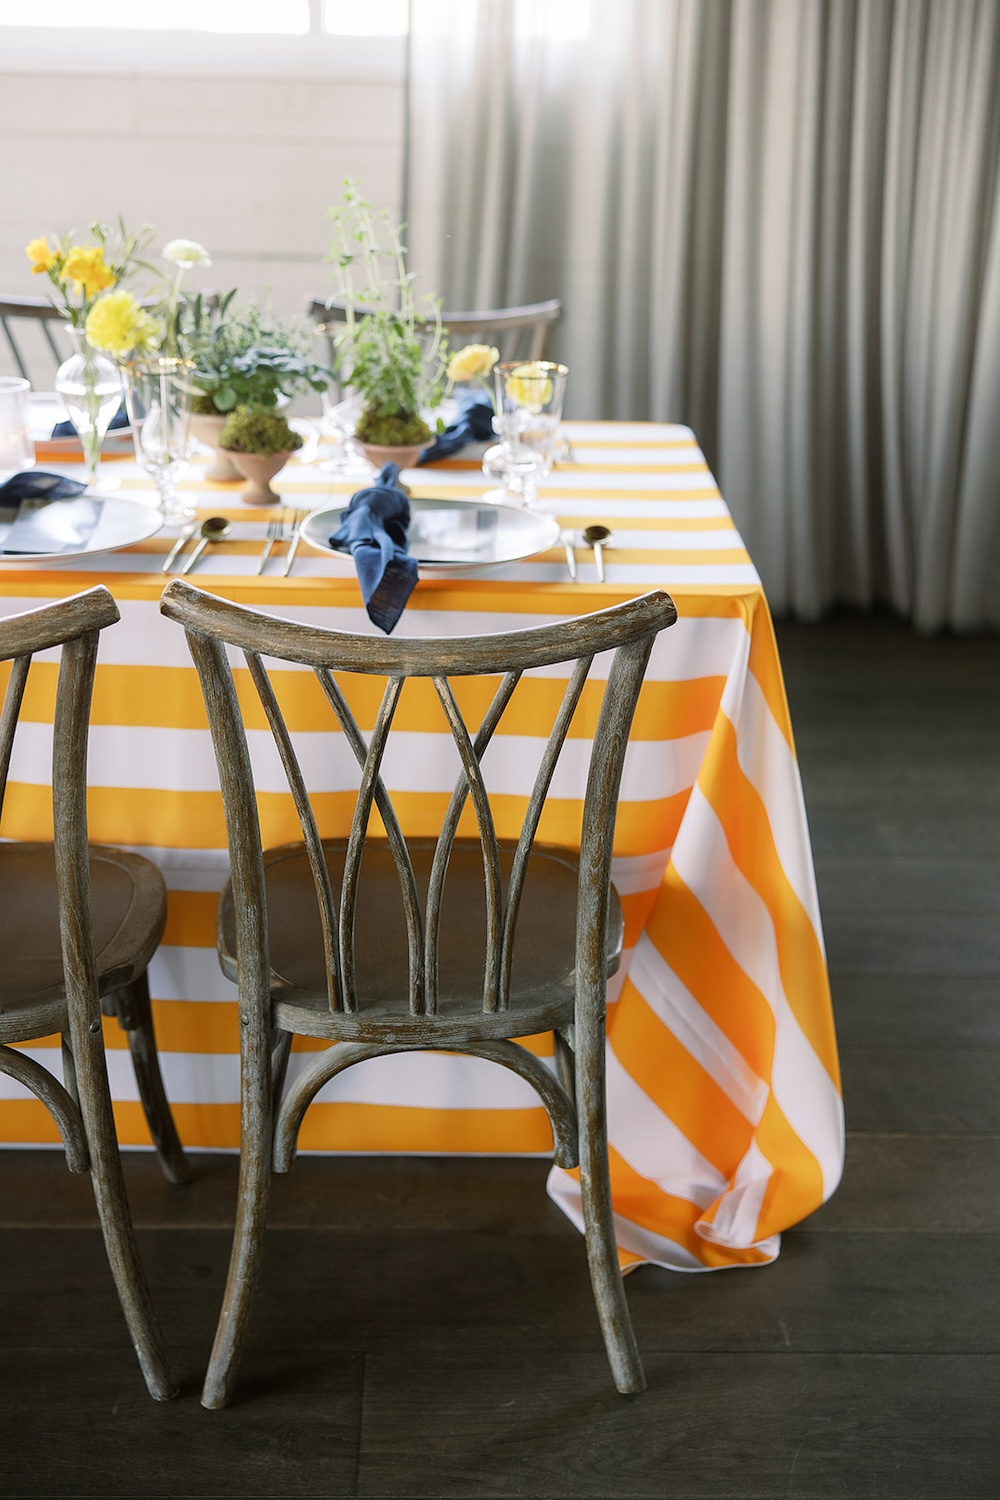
(519, 939)
(518, 332)
(78, 925)
(37, 315)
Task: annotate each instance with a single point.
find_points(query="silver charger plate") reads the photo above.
(449, 533)
(120, 523)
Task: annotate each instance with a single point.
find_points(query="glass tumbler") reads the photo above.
(17, 451)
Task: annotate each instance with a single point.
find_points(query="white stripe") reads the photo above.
(801, 1085)
(695, 1030)
(177, 973)
(633, 873)
(654, 1248)
(738, 1212)
(768, 763)
(182, 760)
(653, 1145)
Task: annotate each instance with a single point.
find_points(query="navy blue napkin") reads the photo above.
(474, 424)
(35, 484)
(66, 429)
(374, 532)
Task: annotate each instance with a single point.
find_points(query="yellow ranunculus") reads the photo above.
(118, 325)
(84, 266)
(529, 386)
(40, 254)
(474, 362)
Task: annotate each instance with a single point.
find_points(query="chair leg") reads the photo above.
(256, 1145)
(602, 1252)
(132, 1008)
(116, 1223)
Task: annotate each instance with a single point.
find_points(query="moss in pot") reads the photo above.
(243, 355)
(259, 442)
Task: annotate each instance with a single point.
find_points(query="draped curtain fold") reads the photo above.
(775, 220)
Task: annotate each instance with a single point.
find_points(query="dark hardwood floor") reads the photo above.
(426, 1327)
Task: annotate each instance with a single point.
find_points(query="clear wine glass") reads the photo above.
(338, 422)
(158, 398)
(530, 398)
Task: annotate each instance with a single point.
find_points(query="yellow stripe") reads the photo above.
(751, 842)
(684, 936)
(644, 1203)
(667, 1073)
(170, 697)
(765, 664)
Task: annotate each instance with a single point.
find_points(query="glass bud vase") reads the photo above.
(90, 385)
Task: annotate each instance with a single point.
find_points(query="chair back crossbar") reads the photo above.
(501, 937)
(519, 333)
(33, 312)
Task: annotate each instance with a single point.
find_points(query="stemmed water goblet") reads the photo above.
(338, 422)
(158, 399)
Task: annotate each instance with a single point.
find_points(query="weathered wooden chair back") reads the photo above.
(28, 325)
(518, 332)
(82, 1107)
(627, 630)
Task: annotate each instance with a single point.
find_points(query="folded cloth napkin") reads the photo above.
(66, 429)
(37, 485)
(474, 424)
(374, 532)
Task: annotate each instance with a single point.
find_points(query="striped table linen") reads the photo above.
(725, 1117)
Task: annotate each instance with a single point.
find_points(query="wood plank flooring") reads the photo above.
(441, 1339)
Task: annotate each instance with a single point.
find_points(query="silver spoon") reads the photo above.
(212, 530)
(596, 536)
(172, 555)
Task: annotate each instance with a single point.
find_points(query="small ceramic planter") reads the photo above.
(403, 458)
(207, 427)
(259, 469)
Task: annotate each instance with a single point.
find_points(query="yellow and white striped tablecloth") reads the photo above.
(725, 1116)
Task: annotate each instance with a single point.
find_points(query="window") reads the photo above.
(306, 36)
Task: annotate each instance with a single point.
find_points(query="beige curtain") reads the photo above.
(776, 220)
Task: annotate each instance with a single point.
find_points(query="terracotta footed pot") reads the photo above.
(403, 458)
(207, 427)
(259, 468)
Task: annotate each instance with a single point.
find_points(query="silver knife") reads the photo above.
(175, 550)
(567, 540)
(292, 550)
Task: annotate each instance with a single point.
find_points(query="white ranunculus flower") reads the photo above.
(186, 253)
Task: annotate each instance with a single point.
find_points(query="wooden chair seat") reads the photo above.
(543, 972)
(129, 912)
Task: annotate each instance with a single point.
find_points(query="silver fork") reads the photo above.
(275, 533)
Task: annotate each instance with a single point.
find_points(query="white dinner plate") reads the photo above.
(120, 523)
(448, 533)
(45, 409)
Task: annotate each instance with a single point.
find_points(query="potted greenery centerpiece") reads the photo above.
(259, 442)
(245, 357)
(390, 351)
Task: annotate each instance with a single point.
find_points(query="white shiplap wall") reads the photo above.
(248, 164)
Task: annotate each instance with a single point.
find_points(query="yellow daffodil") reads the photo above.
(40, 254)
(474, 362)
(118, 325)
(529, 386)
(84, 266)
